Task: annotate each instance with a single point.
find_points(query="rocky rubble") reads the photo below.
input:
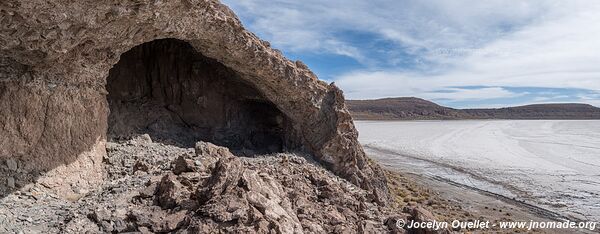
(152, 187)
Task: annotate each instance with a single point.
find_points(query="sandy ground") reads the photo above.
(534, 170)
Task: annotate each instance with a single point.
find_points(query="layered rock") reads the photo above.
(56, 56)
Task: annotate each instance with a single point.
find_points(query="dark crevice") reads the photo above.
(166, 89)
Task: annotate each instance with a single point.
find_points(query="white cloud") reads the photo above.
(562, 51)
(455, 94)
(369, 85)
(494, 43)
(311, 24)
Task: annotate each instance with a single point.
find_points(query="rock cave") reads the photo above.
(76, 75)
(165, 89)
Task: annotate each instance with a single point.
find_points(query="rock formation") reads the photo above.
(156, 188)
(74, 74)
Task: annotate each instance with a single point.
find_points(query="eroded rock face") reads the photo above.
(55, 58)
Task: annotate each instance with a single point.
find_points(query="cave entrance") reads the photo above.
(166, 89)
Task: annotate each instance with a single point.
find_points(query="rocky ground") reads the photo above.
(152, 187)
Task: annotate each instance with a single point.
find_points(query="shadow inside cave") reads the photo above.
(166, 89)
(163, 88)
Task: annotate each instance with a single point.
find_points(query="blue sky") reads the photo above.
(460, 53)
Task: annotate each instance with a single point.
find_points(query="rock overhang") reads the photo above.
(56, 56)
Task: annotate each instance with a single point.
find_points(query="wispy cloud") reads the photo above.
(459, 94)
(421, 48)
(414, 24)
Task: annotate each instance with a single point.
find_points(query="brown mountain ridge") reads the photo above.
(412, 108)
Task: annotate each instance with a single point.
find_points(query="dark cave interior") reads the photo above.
(166, 89)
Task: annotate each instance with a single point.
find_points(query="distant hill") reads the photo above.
(401, 108)
(539, 111)
(410, 108)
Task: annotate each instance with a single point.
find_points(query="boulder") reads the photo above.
(169, 192)
(182, 164)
